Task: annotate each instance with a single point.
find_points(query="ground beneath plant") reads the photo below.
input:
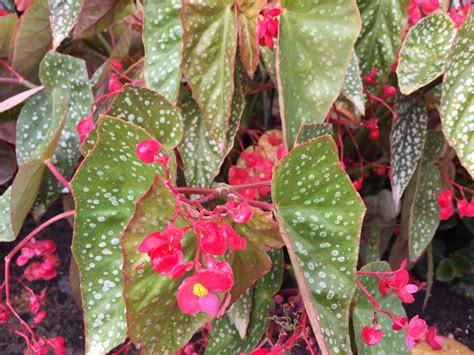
(450, 313)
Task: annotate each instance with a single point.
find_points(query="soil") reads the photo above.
(450, 313)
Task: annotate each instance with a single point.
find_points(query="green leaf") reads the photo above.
(200, 152)
(239, 312)
(7, 24)
(269, 60)
(25, 53)
(250, 264)
(458, 91)
(162, 38)
(106, 186)
(210, 42)
(446, 270)
(153, 317)
(151, 111)
(97, 15)
(383, 24)
(225, 337)
(63, 17)
(407, 140)
(424, 53)
(314, 50)
(309, 131)
(393, 342)
(320, 216)
(6, 230)
(247, 15)
(353, 88)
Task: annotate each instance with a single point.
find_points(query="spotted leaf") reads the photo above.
(457, 108)
(210, 42)
(225, 337)
(393, 342)
(239, 312)
(151, 111)
(6, 230)
(162, 38)
(26, 54)
(199, 150)
(353, 88)
(269, 60)
(153, 317)
(314, 50)
(63, 16)
(320, 216)
(407, 140)
(247, 14)
(424, 52)
(383, 23)
(106, 186)
(308, 131)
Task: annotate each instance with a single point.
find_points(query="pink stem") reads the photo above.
(57, 174)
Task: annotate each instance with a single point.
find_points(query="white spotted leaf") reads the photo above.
(407, 140)
(6, 230)
(393, 342)
(151, 111)
(313, 52)
(320, 216)
(383, 24)
(210, 42)
(153, 317)
(200, 152)
(162, 38)
(105, 188)
(424, 53)
(457, 102)
(353, 88)
(63, 16)
(309, 131)
(239, 312)
(225, 338)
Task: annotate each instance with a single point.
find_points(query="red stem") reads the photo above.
(57, 174)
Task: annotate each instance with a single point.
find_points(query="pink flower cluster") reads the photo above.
(42, 346)
(267, 26)
(418, 8)
(446, 202)
(44, 269)
(399, 285)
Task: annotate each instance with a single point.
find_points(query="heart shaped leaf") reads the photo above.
(424, 52)
(309, 131)
(353, 88)
(63, 17)
(314, 50)
(320, 216)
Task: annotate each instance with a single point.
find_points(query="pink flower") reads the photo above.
(234, 240)
(445, 199)
(267, 26)
(84, 127)
(466, 209)
(36, 300)
(399, 322)
(389, 91)
(446, 213)
(428, 6)
(240, 176)
(416, 329)
(45, 270)
(358, 183)
(39, 317)
(114, 84)
(459, 14)
(57, 344)
(212, 241)
(116, 65)
(4, 13)
(398, 283)
(240, 212)
(371, 336)
(373, 126)
(371, 77)
(433, 340)
(281, 152)
(414, 13)
(198, 293)
(147, 150)
(4, 313)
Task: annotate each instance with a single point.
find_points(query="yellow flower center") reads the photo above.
(199, 290)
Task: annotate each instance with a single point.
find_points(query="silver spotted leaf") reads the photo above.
(151, 111)
(407, 140)
(210, 43)
(457, 103)
(383, 24)
(269, 61)
(63, 16)
(320, 216)
(353, 89)
(225, 338)
(393, 342)
(105, 188)
(162, 38)
(239, 312)
(6, 230)
(315, 44)
(154, 319)
(200, 152)
(424, 53)
(309, 131)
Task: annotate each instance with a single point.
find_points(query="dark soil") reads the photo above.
(450, 313)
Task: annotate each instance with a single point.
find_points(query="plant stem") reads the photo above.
(57, 174)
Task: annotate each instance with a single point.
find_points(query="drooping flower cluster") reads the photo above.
(446, 202)
(45, 269)
(459, 14)
(418, 8)
(398, 283)
(214, 236)
(267, 26)
(256, 164)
